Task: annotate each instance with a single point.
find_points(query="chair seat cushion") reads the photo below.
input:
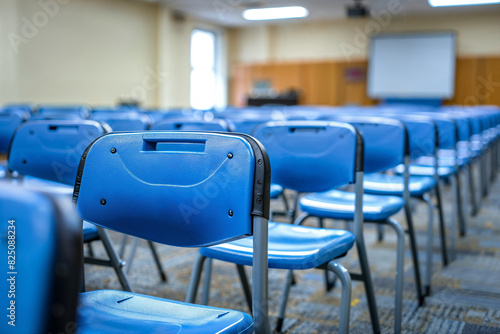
(443, 161)
(108, 311)
(276, 190)
(338, 204)
(386, 184)
(89, 232)
(418, 170)
(290, 247)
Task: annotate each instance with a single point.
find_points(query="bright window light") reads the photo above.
(203, 70)
(444, 3)
(275, 13)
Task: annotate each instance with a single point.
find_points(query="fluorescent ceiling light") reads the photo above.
(275, 13)
(443, 3)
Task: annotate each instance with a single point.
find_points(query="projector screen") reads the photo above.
(412, 66)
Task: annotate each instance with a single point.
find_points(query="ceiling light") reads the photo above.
(443, 3)
(275, 13)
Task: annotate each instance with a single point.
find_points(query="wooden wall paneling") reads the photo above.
(490, 80)
(465, 81)
(319, 83)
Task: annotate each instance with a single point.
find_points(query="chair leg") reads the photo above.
(159, 266)
(245, 285)
(115, 261)
(442, 226)
(458, 203)
(206, 282)
(472, 189)
(453, 229)
(91, 249)
(367, 280)
(414, 253)
(124, 244)
(345, 303)
(132, 255)
(194, 282)
(400, 253)
(430, 240)
(284, 300)
(380, 230)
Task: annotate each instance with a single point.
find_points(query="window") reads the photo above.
(203, 70)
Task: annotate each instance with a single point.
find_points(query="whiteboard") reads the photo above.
(412, 66)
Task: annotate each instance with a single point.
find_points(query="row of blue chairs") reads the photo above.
(288, 154)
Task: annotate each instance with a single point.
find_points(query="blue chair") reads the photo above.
(166, 167)
(63, 112)
(123, 121)
(192, 124)
(9, 121)
(305, 157)
(47, 154)
(40, 236)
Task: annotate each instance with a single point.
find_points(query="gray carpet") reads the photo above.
(465, 295)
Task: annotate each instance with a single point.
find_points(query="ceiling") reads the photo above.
(228, 12)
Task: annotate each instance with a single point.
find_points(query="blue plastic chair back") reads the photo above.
(247, 121)
(18, 107)
(126, 121)
(8, 125)
(191, 124)
(187, 189)
(311, 156)
(41, 240)
(63, 112)
(51, 150)
(385, 141)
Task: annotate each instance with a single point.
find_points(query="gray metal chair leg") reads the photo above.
(206, 281)
(430, 239)
(132, 254)
(345, 302)
(442, 226)
(367, 280)
(284, 300)
(454, 223)
(414, 253)
(460, 213)
(380, 230)
(115, 261)
(124, 244)
(245, 286)
(400, 253)
(194, 282)
(159, 266)
(472, 189)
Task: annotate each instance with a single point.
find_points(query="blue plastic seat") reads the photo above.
(305, 156)
(44, 234)
(393, 185)
(171, 175)
(110, 311)
(338, 204)
(290, 247)
(276, 190)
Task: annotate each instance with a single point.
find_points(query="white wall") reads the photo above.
(478, 34)
(78, 51)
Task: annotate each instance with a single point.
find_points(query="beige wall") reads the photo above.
(80, 51)
(478, 34)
